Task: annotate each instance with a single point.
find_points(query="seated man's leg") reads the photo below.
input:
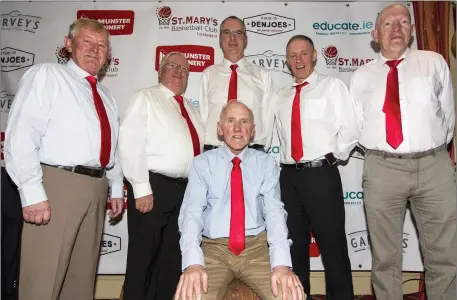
(217, 268)
(255, 269)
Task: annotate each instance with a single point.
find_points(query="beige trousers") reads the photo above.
(59, 260)
(252, 267)
(428, 184)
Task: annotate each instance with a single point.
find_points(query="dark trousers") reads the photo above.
(313, 199)
(154, 255)
(11, 237)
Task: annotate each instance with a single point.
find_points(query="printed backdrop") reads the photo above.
(142, 33)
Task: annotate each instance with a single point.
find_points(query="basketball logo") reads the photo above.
(163, 15)
(63, 55)
(330, 54)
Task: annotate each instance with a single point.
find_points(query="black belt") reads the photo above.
(174, 179)
(88, 171)
(328, 161)
(253, 146)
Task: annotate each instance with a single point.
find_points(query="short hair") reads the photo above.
(300, 37)
(164, 60)
(243, 26)
(86, 23)
(224, 109)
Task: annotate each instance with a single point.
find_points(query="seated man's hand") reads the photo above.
(289, 283)
(192, 280)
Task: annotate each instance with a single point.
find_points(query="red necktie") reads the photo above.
(391, 108)
(105, 129)
(237, 232)
(193, 132)
(296, 138)
(233, 85)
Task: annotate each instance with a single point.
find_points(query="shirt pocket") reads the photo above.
(314, 108)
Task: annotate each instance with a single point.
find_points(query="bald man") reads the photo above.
(406, 119)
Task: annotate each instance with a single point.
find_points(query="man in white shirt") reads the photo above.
(61, 152)
(316, 126)
(406, 118)
(236, 78)
(160, 133)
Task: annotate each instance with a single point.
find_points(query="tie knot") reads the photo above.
(92, 80)
(233, 67)
(298, 87)
(393, 63)
(236, 161)
(179, 99)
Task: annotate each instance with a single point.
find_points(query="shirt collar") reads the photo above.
(228, 155)
(382, 60)
(241, 63)
(80, 73)
(168, 93)
(311, 79)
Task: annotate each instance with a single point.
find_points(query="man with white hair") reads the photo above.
(406, 118)
(160, 133)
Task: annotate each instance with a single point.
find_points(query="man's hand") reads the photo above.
(38, 213)
(144, 204)
(117, 206)
(289, 283)
(192, 280)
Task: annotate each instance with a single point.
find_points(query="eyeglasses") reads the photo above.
(229, 32)
(177, 67)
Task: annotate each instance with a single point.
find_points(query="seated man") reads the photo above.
(233, 200)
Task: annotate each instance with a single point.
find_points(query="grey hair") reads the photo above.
(224, 110)
(86, 23)
(164, 60)
(243, 25)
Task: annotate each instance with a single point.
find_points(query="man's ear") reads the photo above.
(374, 35)
(67, 43)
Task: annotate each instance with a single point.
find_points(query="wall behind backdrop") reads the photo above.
(142, 33)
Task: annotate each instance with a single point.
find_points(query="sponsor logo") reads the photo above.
(110, 244)
(201, 25)
(314, 248)
(195, 102)
(269, 24)
(6, 100)
(275, 150)
(199, 57)
(360, 241)
(117, 22)
(2, 137)
(110, 68)
(15, 59)
(343, 27)
(353, 198)
(343, 64)
(17, 21)
(270, 61)
(62, 54)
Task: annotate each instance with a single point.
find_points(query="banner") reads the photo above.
(142, 33)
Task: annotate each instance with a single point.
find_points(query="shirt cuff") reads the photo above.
(193, 256)
(32, 194)
(141, 189)
(280, 257)
(117, 190)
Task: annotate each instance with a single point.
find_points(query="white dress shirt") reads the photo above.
(254, 88)
(327, 119)
(426, 102)
(154, 136)
(53, 120)
(206, 208)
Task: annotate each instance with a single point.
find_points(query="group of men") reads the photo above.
(207, 204)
